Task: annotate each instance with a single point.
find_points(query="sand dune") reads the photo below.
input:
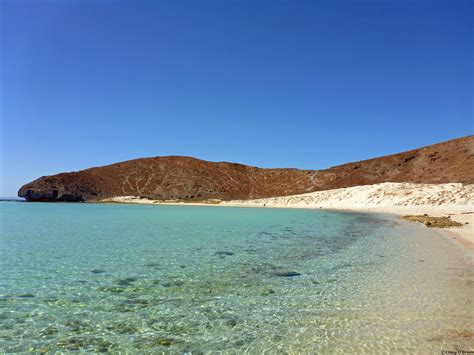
(454, 196)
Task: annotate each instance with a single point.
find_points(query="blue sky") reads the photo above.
(306, 84)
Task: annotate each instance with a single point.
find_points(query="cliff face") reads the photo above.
(186, 178)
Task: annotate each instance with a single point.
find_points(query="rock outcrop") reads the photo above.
(185, 178)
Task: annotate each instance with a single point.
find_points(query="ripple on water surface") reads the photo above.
(120, 277)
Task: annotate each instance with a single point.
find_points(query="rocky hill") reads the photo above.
(185, 178)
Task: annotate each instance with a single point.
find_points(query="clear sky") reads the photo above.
(306, 84)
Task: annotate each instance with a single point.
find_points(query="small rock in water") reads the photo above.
(152, 265)
(173, 283)
(165, 341)
(128, 281)
(50, 330)
(138, 302)
(74, 343)
(123, 328)
(286, 273)
(97, 271)
(224, 253)
(75, 325)
(231, 322)
(267, 291)
(141, 289)
(111, 289)
(315, 282)
(239, 343)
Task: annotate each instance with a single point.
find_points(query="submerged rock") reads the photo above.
(231, 322)
(76, 343)
(173, 283)
(111, 289)
(223, 253)
(267, 291)
(49, 330)
(163, 342)
(128, 281)
(286, 273)
(75, 325)
(123, 328)
(138, 302)
(239, 343)
(142, 289)
(152, 265)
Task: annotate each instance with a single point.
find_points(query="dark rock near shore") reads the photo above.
(286, 273)
(224, 253)
(126, 281)
(49, 195)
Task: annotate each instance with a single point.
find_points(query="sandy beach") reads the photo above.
(454, 200)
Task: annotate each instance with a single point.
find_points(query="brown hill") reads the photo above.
(185, 178)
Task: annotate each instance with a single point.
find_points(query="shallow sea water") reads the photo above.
(97, 277)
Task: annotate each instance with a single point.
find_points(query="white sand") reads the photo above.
(453, 199)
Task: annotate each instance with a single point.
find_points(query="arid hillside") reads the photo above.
(186, 178)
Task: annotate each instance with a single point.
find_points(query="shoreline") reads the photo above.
(373, 286)
(398, 199)
(462, 236)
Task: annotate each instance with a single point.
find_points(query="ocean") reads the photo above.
(188, 279)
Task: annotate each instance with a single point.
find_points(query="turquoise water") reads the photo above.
(97, 277)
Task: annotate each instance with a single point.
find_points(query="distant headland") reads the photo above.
(189, 179)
